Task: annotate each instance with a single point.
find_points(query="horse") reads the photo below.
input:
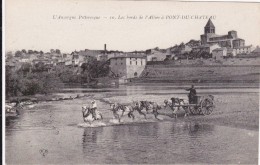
(148, 105)
(88, 114)
(116, 107)
(175, 104)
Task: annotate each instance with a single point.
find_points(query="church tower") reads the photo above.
(209, 28)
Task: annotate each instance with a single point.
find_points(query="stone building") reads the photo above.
(229, 40)
(219, 53)
(128, 66)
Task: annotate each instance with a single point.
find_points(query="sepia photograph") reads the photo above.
(130, 82)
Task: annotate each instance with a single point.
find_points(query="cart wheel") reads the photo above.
(193, 110)
(199, 110)
(206, 106)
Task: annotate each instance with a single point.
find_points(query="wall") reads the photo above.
(135, 66)
(206, 73)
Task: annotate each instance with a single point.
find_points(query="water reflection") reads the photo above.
(89, 136)
(143, 143)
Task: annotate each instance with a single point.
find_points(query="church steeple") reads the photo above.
(209, 28)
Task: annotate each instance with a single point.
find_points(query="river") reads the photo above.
(48, 133)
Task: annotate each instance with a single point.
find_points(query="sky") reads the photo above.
(63, 24)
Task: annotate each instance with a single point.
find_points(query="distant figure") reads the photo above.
(192, 94)
(93, 109)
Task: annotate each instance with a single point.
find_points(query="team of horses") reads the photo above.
(142, 107)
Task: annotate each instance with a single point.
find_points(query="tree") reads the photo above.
(58, 51)
(30, 51)
(52, 51)
(39, 67)
(18, 53)
(24, 51)
(25, 68)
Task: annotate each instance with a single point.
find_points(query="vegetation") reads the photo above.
(24, 83)
(43, 79)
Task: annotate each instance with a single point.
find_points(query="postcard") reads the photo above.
(131, 82)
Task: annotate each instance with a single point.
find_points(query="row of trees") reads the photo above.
(192, 55)
(19, 53)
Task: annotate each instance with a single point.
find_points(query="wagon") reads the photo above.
(201, 105)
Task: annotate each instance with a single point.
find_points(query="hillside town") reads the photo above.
(131, 64)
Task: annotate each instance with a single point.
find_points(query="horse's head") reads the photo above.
(136, 104)
(113, 105)
(84, 109)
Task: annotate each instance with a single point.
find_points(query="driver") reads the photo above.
(192, 94)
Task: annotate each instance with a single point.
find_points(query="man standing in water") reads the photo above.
(192, 94)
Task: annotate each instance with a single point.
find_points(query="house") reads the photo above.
(243, 50)
(155, 55)
(205, 48)
(128, 66)
(256, 51)
(219, 53)
(231, 52)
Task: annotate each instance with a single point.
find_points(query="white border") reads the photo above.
(3, 82)
(3, 63)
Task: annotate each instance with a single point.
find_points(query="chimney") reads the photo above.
(105, 48)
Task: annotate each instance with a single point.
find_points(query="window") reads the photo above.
(136, 62)
(130, 62)
(141, 62)
(135, 74)
(121, 63)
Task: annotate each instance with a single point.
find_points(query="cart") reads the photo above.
(202, 105)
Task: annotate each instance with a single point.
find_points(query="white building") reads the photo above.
(243, 49)
(129, 66)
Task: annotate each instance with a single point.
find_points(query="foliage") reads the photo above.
(18, 53)
(18, 83)
(93, 69)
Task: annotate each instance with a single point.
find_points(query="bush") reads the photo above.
(18, 84)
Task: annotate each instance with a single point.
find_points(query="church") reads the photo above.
(229, 40)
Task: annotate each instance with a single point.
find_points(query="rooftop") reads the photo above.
(210, 24)
(219, 49)
(129, 56)
(249, 46)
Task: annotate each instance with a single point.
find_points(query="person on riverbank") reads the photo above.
(93, 109)
(192, 94)
(17, 107)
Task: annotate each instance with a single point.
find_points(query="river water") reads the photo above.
(48, 133)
